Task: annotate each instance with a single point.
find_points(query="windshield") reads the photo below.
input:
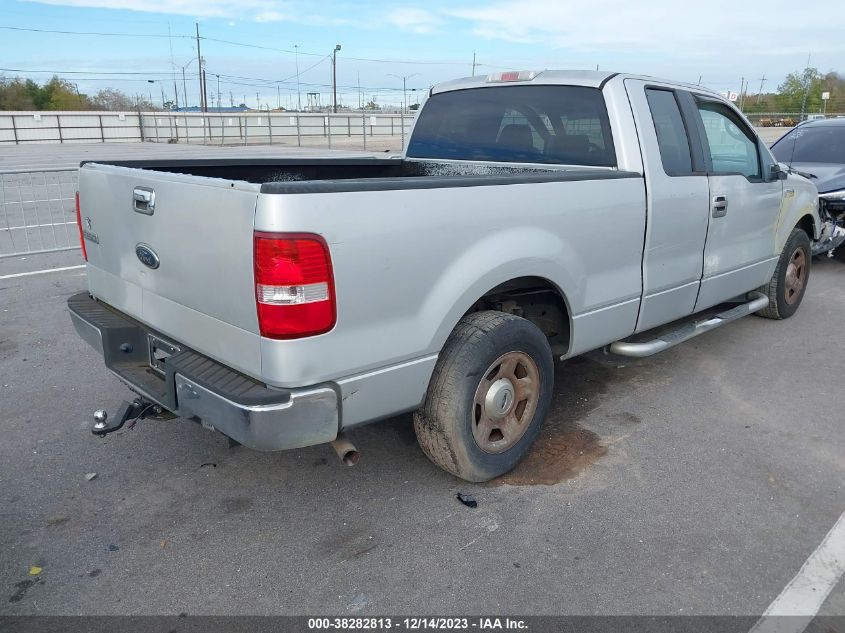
(565, 125)
(817, 144)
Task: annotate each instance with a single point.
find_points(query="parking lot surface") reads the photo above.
(697, 481)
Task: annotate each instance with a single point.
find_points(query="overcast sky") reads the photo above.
(719, 41)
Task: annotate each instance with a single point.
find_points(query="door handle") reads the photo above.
(719, 206)
(144, 200)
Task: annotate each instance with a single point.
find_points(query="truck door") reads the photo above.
(744, 206)
(677, 202)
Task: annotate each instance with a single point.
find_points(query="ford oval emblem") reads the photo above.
(147, 256)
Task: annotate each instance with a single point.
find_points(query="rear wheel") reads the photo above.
(789, 283)
(488, 396)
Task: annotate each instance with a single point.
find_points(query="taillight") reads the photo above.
(79, 225)
(294, 287)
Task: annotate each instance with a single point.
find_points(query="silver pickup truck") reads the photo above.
(533, 216)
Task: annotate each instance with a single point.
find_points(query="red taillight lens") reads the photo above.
(79, 225)
(294, 287)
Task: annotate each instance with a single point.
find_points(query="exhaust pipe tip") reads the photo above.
(351, 458)
(345, 450)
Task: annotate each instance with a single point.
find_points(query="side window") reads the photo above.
(732, 148)
(670, 130)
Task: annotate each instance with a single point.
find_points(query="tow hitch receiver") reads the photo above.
(138, 409)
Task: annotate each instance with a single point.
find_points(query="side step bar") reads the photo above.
(757, 301)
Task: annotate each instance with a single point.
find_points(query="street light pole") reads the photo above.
(161, 87)
(334, 77)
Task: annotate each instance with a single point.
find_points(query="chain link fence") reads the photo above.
(37, 211)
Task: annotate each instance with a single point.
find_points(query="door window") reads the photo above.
(670, 130)
(733, 149)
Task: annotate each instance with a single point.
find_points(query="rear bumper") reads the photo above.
(198, 388)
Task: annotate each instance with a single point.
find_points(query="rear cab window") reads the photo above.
(671, 133)
(566, 125)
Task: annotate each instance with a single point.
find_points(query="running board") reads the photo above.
(758, 301)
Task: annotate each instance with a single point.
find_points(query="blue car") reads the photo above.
(816, 149)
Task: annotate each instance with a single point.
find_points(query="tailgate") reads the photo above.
(197, 286)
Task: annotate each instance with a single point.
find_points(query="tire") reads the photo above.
(488, 396)
(792, 274)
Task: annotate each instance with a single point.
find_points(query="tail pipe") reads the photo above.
(347, 452)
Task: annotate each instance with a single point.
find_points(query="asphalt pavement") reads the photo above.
(697, 481)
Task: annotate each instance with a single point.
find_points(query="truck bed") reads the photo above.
(363, 174)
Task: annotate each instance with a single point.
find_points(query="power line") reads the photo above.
(100, 33)
(234, 43)
(228, 79)
(87, 72)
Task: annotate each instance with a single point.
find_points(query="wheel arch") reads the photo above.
(807, 223)
(534, 297)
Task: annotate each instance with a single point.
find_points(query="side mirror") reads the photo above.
(776, 172)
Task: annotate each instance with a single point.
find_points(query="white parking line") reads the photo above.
(41, 272)
(804, 595)
(34, 226)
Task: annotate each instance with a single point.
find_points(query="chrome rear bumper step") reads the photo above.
(757, 301)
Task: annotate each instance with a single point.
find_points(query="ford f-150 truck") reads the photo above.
(532, 216)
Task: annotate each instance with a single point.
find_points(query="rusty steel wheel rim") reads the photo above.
(505, 402)
(796, 276)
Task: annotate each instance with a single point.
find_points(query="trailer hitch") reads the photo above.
(136, 410)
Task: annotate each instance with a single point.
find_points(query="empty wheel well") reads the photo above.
(535, 299)
(807, 225)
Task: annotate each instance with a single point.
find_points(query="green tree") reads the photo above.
(111, 99)
(14, 95)
(799, 86)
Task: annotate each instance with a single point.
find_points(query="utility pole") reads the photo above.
(298, 93)
(231, 99)
(762, 81)
(741, 91)
(278, 97)
(203, 105)
(204, 91)
(257, 101)
(334, 77)
(473, 63)
(404, 98)
(807, 82)
(218, 92)
(173, 67)
(184, 88)
(360, 97)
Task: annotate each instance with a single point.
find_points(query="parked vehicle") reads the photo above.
(533, 216)
(817, 150)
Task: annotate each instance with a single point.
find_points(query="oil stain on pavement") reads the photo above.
(563, 449)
